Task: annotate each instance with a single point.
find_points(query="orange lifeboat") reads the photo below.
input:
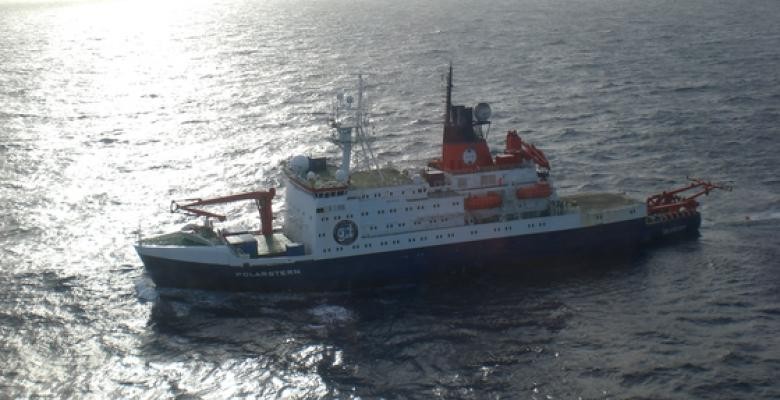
(489, 200)
(537, 190)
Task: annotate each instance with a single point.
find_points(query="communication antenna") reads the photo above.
(352, 125)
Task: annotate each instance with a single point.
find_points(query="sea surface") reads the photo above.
(110, 109)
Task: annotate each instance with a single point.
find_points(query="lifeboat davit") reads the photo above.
(489, 200)
(537, 190)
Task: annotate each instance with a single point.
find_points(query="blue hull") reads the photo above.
(416, 265)
(672, 228)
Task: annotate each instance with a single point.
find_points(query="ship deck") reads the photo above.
(599, 201)
(200, 237)
(266, 245)
(376, 178)
(272, 244)
(326, 179)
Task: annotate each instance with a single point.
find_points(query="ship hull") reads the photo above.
(412, 266)
(662, 229)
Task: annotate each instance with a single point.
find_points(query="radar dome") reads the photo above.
(299, 164)
(482, 112)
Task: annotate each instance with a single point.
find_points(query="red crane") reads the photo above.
(516, 145)
(673, 201)
(262, 200)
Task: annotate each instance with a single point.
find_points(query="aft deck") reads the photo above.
(195, 236)
(255, 245)
(599, 201)
(251, 244)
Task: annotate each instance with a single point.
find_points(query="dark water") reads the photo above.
(109, 109)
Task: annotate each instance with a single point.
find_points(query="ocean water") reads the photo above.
(109, 109)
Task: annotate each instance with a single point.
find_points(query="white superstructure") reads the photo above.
(336, 212)
(351, 207)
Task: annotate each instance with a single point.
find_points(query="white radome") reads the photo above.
(299, 164)
(482, 112)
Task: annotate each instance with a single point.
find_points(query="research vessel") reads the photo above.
(471, 209)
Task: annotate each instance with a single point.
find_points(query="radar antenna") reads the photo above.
(351, 125)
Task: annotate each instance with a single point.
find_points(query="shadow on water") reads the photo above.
(173, 307)
(444, 335)
(177, 310)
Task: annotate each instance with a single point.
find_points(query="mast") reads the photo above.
(350, 124)
(448, 109)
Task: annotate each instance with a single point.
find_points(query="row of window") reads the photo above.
(509, 228)
(384, 243)
(322, 195)
(328, 250)
(398, 225)
(401, 224)
(391, 193)
(439, 236)
(378, 212)
(337, 207)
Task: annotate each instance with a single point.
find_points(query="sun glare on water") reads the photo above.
(111, 78)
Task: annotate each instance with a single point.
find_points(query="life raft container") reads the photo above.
(488, 200)
(537, 190)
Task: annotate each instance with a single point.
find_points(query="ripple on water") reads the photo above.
(103, 123)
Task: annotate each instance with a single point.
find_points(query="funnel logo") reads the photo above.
(469, 156)
(345, 232)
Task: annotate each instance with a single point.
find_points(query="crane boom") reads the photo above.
(673, 201)
(262, 200)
